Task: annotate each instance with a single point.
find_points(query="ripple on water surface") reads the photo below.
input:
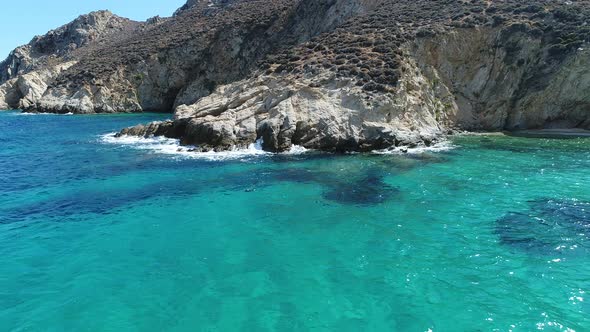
(99, 235)
(549, 226)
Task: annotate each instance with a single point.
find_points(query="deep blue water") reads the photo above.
(132, 235)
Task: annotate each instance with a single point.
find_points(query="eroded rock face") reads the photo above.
(25, 90)
(84, 30)
(30, 69)
(203, 3)
(184, 58)
(8, 95)
(289, 110)
(505, 79)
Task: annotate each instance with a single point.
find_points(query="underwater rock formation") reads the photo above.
(549, 226)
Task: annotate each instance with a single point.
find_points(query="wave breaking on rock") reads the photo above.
(172, 147)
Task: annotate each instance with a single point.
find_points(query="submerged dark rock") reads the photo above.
(550, 226)
(364, 187)
(368, 190)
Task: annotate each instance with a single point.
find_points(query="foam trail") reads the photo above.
(169, 146)
(297, 149)
(19, 113)
(16, 113)
(438, 147)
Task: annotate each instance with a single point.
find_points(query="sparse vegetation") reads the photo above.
(368, 49)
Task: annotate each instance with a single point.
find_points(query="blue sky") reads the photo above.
(22, 20)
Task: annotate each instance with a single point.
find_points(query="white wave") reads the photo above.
(19, 113)
(296, 149)
(169, 146)
(438, 147)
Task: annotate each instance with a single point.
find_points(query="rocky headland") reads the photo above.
(334, 75)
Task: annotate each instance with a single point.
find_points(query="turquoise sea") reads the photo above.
(96, 234)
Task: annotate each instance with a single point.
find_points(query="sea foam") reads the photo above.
(19, 113)
(170, 146)
(438, 147)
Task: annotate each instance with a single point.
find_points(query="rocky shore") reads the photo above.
(338, 75)
(552, 133)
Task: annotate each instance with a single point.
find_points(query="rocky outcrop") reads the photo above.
(506, 79)
(25, 90)
(8, 95)
(61, 42)
(287, 111)
(190, 4)
(30, 69)
(332, 115)
(172, 66)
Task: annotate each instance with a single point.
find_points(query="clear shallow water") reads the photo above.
(100, 236)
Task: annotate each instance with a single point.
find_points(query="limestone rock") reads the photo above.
(43, 50)
(494, 92)
(30, 69)
(9, 95)
(286, 111)
(26, 90)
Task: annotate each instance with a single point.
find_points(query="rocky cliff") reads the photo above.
(28, 70)
(62, 42)
(339, 75)
(184, 58)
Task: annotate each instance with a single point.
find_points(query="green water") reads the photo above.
(96, 236)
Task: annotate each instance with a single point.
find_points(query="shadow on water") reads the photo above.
(369, 189)
(362, 184)
(357, 180)
(549, 226)
(98, 201)
(363, 188)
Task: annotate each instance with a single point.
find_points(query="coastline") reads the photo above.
(551, 133)
(571, 133)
